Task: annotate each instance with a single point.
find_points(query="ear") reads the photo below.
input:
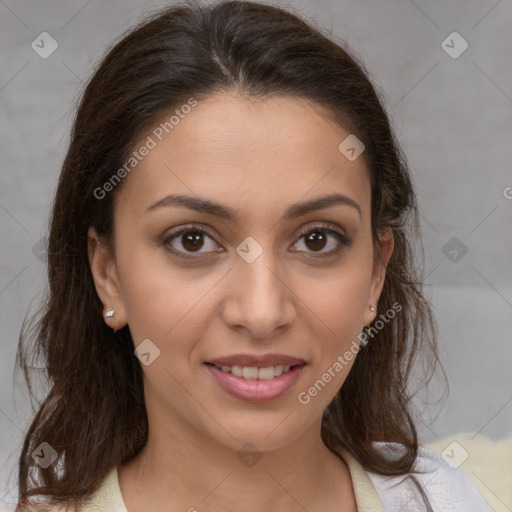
(384, 250)
(106, 281)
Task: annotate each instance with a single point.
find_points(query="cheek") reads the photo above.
(155, 295)
(340, 296)
(340, 304)
(339, 300)
(168, 304)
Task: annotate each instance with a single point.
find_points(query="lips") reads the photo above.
(255, 390)
(256, 378)
(263, 361)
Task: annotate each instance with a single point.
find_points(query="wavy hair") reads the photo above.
(94, 414)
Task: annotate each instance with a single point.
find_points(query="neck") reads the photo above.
(189, 470)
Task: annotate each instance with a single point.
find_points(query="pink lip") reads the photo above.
(263, 361)
(256, 390)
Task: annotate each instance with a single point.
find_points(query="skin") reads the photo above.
(257, 157)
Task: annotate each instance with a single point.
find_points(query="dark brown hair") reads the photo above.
(94, 414)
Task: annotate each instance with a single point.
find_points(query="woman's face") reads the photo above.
(271, 283)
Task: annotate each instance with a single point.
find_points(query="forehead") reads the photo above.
(252, 153)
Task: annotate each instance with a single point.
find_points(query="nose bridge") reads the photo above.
(260, 285)
(261, 297)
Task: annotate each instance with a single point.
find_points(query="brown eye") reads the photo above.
(190, 240)
(318, 238)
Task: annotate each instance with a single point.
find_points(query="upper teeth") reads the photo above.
(252, 372)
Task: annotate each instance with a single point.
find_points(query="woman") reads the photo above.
(234, 311)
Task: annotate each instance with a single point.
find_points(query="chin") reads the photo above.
(267, 431)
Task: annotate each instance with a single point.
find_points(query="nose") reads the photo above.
(259, 299)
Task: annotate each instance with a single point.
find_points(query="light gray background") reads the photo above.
(452, 117)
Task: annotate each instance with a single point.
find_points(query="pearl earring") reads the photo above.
(372, 309)
(110, 314)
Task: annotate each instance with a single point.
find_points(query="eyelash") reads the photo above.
(324, 227)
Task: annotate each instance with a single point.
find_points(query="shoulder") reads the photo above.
(436, 479)
(108, 497)
(488, 462)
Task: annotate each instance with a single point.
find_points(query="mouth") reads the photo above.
(255, 372)
(256, 379)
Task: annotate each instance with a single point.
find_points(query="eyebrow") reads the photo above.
(203, 205)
